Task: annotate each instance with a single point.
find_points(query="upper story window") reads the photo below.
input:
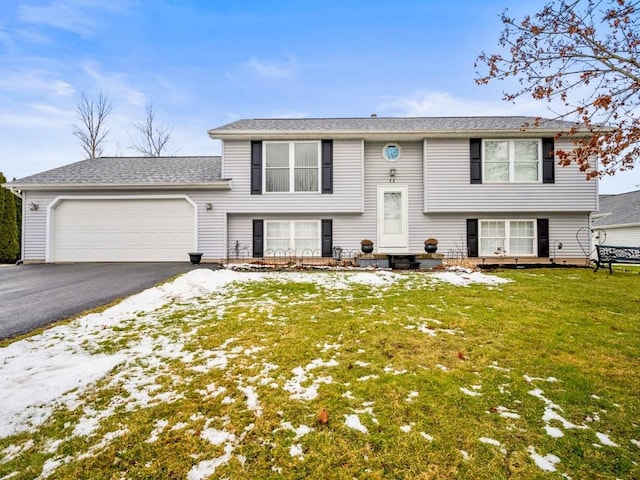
(514, 161)
(292, 166)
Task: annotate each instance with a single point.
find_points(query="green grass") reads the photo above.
(377, 346)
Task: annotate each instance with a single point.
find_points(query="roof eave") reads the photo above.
(379, 135)
(224, 184)
(615, 226)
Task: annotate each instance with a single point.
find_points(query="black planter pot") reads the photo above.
(366, 248)
(195, 257)
(430, 248)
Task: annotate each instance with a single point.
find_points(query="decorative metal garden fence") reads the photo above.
(239, 253)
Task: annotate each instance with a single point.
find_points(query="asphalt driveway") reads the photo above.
(33, 296)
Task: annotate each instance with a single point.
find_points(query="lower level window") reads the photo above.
(507, 237)
(292, 237)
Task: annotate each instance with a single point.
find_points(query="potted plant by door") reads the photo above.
(366, 246)
(430, 245)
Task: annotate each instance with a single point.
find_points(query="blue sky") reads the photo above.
(202, 64)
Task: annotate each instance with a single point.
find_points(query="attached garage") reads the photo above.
(122, 229)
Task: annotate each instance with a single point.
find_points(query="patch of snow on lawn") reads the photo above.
(296, 451)
(554, 432)
(207, 468)
(605, 440)
(471, 393)
(294, 385)
(55, 366)
(546, 462)
(252, 399)
(504, 412)
(353, 421)
(159, 427)
(300, 432)
(12, 451)
(491, 441)
(217, 437)
(411, 396)
(464, 277)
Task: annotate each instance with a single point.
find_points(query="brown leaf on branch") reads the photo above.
(582, 58)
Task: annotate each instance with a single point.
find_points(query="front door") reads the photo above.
(392, 219)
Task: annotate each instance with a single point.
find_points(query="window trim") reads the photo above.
(291, 167)
(507, 222)
(292, 234)
(512, 142)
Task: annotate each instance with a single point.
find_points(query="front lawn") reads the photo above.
(335, 375)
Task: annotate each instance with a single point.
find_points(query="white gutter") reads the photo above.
(379, 135)
(221, 185)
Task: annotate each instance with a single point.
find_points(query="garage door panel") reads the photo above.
(123, 230)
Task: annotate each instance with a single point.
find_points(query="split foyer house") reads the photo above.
(485, 187)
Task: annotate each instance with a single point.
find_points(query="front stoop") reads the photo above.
(421, 261)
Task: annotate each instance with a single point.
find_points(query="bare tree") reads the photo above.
(152, 138)
(92, 131)
(584, 54)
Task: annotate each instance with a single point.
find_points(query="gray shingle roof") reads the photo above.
(387, 124)
(130, 171)
(621, 209)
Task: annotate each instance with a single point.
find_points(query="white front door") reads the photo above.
(393, 235)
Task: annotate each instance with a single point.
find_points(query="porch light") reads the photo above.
(33, 206)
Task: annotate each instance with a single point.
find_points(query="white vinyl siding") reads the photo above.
(507, 237)
(447, 187)
(512, 161)
(292, 167)
(301, 237)
(347, 196)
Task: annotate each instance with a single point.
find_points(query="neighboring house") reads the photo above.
(485, 187)
(617, 222)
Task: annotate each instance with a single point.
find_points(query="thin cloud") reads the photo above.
(37, 82)
(438, 103)
(271, 69)
(78, 16)
(36, 115)
(5, 37)
(115, 85)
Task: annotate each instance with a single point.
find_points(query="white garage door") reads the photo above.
(123, 230)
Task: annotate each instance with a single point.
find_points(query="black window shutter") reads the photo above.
(327, 237)
(475, 147)
(256, 167)
(472, 237)
(543, 237)
(258, 238)
(548, 162)
(327, 166)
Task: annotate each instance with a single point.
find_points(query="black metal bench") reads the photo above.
(608, 255)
